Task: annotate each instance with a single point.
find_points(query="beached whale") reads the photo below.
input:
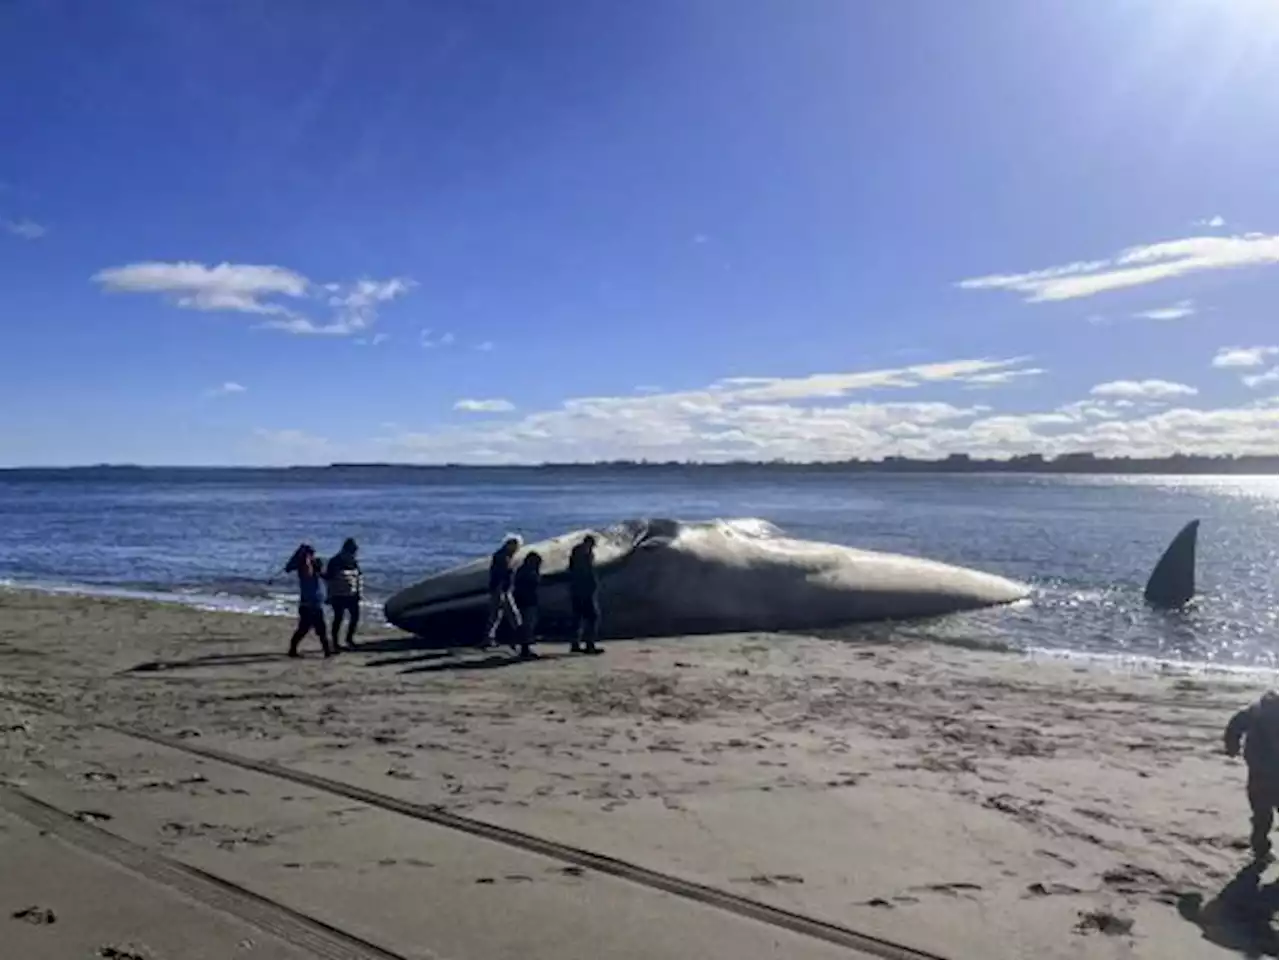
(664, 577)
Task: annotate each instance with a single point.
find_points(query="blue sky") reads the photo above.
(242, 232)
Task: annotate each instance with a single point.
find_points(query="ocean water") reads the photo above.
(1086, 544)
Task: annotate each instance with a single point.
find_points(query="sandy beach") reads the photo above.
(959, 803)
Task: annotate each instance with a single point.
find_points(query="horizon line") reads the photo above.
(1074, 458)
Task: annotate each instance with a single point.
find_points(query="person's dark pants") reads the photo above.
(310, 617)
(1262, 803)
(586, 622)
(528, 628)
(348, 607)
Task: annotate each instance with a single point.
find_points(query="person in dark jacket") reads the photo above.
(306, 565)
(1256, 724)
(528, 578)
(345, 581)
(583, 598)
(502, 605)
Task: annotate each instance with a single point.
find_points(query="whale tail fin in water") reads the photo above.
(1173, 581)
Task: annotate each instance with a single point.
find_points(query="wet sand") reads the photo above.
(967, 804)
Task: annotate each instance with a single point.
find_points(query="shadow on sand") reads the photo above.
(493, 661)
(209, 660)
(406, 643)
(1241, 917)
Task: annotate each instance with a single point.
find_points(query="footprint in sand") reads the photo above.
(1100, 816)
(769, 879)
(950, 889)
(882, 903)
(1100, 921)
(1133, 881)
(1129, 878)
(40, 916)
(123, 953)
(1052, 889)
(1065, 861)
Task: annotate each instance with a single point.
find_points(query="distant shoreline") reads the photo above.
(1078, 464)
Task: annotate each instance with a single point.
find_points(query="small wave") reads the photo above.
(271, 604)
(1140, 663)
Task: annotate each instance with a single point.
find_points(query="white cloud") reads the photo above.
(228, 286)
(819, 417)
(1135, 266)
(26, 229)
(808, 417)
(1229, 357)
(1215, 221)
(1252, 380)
(257, 289)
(227, 389)
(495, 405)
(999, 378)
(813, 418)
(1143, 389)
(484, 346)
(825, 385)
(355, 306)
(632, 428)
(1174, 311)
(429, 340)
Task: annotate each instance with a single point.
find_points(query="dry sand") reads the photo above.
(969, 804)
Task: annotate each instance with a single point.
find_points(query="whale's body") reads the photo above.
(664, 577)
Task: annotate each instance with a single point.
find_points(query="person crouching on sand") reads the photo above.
(306, 564)
(525, 593)
(345, 582)
(502, 605)
(1256, 724)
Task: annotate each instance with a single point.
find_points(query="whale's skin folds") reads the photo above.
(666, 577)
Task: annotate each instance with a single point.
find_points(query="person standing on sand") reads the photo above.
(306, 564)
(583, 590)
(345, 581)
(525, 593)
(1256, 724)
(502, 605)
